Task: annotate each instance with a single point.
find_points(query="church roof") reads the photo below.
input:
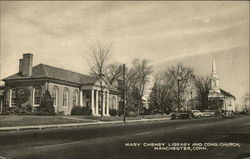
(228, 94)
(43, 71)
(220, 94)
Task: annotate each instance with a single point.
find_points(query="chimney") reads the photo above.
(27, 64)
(20, 66)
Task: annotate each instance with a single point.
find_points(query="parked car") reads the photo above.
(217, 112)
(227, 114)
(173, 116)
(196, 113)
(181, 115)
(208, 113)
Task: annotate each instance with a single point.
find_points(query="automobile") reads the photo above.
(197, 113)
(217, 112)
(174, 115)
(181, 115)
(208, 113)
(227, 114)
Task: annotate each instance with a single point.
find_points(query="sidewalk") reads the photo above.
(17, 128)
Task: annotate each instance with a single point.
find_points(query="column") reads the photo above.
(81, 96)
(11, 97)
(103, 103)
(97, 102)
(1, 106)
(116, 102)
(226, 104)
(108, 103)
(92, 102)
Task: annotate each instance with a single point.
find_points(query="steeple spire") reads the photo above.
(214, 68)
(214, 73)
(214, 78)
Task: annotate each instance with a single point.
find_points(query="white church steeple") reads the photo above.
(214, 79)
(214, 67)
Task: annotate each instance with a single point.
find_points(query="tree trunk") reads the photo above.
(138, 110)
(101, 99)
(161, 111)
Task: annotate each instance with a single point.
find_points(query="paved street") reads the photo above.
(133, 140)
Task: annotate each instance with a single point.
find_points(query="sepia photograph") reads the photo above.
(124, 80)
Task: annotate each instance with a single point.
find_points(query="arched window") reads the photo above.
(14, 97)
(65, 97)
(55, 96)
(75, 97)
(37, 95)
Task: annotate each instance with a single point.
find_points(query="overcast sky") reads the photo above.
(60, 33)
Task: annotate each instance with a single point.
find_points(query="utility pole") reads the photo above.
(191, 93)
(123, 92)
(245, 105)
(178, 93)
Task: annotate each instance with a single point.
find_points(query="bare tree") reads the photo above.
(180, 76)
(202, 86)
(99, 56)
(160, 96)
(136, 78)
(142, 71)
(113, 73)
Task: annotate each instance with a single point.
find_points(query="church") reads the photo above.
(67, 88)
(219, 98)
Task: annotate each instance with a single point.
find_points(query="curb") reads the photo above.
(30, 127)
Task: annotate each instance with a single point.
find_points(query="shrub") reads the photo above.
(46, 107)
(11, 110)
(20, 110)
(145, 111)
(131, 114)
(113, 112)
(28, 108)
(25, 110)
(78, 110)
(87, 111)
(23, 95)
(61, 113)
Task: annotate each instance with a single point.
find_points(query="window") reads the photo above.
(75, 95)
(65, 97)
(14, 97)
(55, 96)
(37, 95)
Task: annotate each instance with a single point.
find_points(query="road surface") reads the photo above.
(196, 138)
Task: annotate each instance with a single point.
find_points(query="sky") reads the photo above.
(59, 33)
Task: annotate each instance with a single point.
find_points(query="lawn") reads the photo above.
(156, 116)
(106, 118)
(20, 120)
(120, 118)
